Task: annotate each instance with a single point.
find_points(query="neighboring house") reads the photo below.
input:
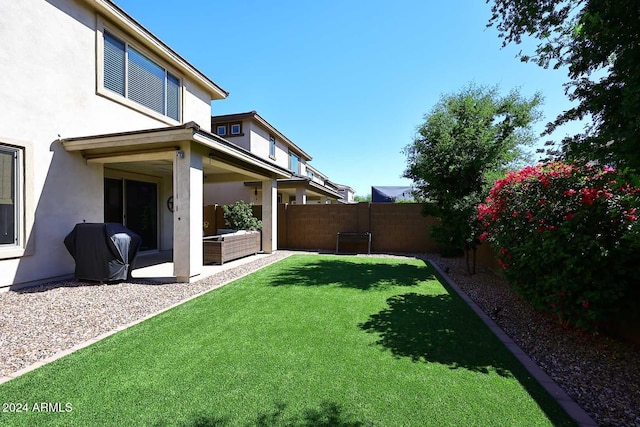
(391, 194)
(102, 121)
(316, 178)
(253, 133)
(347, 194)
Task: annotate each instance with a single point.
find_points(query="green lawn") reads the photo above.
(308, 341)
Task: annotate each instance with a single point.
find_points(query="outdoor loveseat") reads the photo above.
(221, 248)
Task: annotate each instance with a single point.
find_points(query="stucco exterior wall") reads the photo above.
(256, 140)
(260, 145)
(48, 60)
(228, 192)
(303, 168)
(196, 106)
(243, 141)
(282, 154)
(259, 140)
(317, 179)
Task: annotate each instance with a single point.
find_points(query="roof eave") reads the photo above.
(188, 132)
(116, 14)
(253, 115)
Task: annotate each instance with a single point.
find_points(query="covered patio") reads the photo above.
(158, 266)
(303, 190)
(178, 159)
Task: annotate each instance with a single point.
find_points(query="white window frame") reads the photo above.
(218, 127)
(272, 147)
(114, 96)
(232, 125)
(298, 171)
(23, 199)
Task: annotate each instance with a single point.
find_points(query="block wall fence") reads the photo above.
(394, 227)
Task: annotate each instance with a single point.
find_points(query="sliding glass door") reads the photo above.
(133, 204)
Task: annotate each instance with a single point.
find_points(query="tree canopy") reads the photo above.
(365, 198)
(599, 42)
(467, 136)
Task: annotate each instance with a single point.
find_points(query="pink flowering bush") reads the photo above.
(568, 239)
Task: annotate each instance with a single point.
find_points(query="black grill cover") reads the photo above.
(103, 252)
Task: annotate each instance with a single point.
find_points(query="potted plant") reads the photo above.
(228, 245)
(239, 216)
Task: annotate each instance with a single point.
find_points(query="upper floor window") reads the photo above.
(10, 195)
(272, 146)
(294, 163)
(131, 74)
(229, 129)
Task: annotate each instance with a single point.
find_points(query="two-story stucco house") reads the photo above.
(103, 122)
(346, 192)
(250, 131)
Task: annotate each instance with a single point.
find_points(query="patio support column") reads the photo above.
(187, 213)
(301, 196)
(269, 216)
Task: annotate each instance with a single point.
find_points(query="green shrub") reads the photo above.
(239, 216)
(568, 239)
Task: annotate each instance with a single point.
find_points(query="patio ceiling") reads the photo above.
(153, 151)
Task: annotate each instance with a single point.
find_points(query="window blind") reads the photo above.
(7, 174)
(131, 74)
(114, 71)
(8, 205)
(146, 81)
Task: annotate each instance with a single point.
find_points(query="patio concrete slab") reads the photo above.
(158, 266)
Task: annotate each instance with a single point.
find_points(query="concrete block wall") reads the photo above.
(400, 227)
(314, 227)
(394, 227)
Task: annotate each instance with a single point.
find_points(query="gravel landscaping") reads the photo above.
(38, 322)
(601, 374)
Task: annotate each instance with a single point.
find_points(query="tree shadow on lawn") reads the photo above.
(433, 328)
(436, 329)
(329, 414)
(365, 276)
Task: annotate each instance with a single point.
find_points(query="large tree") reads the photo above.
(468, 138)
(599, 42)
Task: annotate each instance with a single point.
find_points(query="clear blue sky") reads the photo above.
(347, 81)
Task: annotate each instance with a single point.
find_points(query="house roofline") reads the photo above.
(259, 119)
(317, 172)
(188, 131)
(342, 186)
(118, 16)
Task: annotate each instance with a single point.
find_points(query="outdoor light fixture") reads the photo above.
(180, 154)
